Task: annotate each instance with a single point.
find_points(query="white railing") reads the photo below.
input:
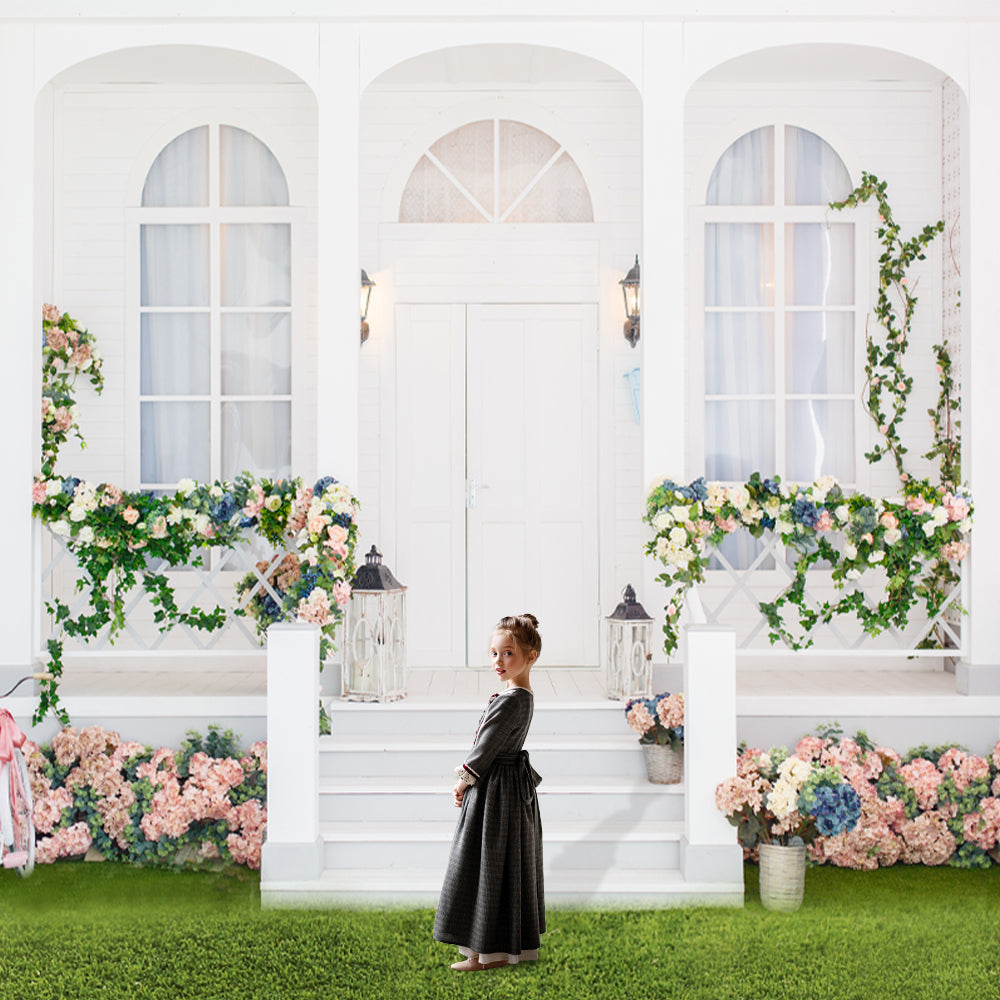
(732, 597)
(214, 585)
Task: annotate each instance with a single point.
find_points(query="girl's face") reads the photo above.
(510, 662)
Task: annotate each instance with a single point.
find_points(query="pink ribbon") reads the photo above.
(10, 736)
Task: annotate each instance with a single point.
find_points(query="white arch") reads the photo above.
(939, 46)
(498, 106)
(154, 145)
(733, 130)
(60, 48)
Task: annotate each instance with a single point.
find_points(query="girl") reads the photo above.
(492, 904)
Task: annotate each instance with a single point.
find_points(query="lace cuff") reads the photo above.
(466, 774)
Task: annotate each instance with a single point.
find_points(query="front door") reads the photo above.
(496, 477)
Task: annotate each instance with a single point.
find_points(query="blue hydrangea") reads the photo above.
(699, 488)
(321, 485)
(70, 483)
(805, 512)
(344, 520)
(224, 508)
(767, 521)
(271, 607)
(772, 486)
(835, 808)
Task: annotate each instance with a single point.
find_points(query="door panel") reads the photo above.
(532, 448)
(430, 480)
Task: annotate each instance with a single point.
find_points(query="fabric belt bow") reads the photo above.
(530, 777)
(10, 736)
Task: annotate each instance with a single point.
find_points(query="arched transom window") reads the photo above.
(496, 170)
(215, 310)
(779, 311)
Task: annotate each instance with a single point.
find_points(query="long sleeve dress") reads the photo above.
(492, 903)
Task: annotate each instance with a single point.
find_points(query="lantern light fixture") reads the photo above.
(366, 293)
(630, 291)
(628, 660)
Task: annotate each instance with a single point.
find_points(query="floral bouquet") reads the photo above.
(780, 799)
(658, 720)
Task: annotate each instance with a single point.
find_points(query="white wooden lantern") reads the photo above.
(628, 662)
(375, 635)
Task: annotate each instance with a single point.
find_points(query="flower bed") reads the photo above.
(933, 806)
(204, 803)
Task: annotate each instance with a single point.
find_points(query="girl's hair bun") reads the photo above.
(524, 629)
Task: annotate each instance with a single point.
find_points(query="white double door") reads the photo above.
(496, 484)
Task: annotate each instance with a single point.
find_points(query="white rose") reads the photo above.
(850, 551)
(853, 574)
(53, 488)
(740, 496)
(201, 523)
(929, 527)
(965, 525)
(681, 513)
(892, 536)
(186, 486)
(661, 520)
(784, 527)
(343, 507)
(86, 534)
(772, 505)
(60, 528)
(678, 536)
(215, 492)
(843, 514)
(876, 557)
(77, 513)
(661, 548)
(175, 515)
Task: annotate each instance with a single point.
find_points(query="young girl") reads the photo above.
(492, 904)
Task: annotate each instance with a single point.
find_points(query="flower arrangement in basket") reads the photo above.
(789, 800)
(659, 721)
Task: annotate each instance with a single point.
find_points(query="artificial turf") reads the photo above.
(81, 931)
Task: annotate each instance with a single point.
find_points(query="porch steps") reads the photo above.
(611, 838)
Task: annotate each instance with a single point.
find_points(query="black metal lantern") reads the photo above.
(628, 660)
(366, 293)
(630, 291)
(375, 641)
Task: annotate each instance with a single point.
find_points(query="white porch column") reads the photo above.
(293, 851)
(709, 850)
(979, 672)
(20, 337)
(663, 275)
(339, 270)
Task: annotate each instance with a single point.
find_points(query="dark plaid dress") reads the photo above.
(493, 896)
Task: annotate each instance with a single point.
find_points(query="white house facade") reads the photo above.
(201, 190)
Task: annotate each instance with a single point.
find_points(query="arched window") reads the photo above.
(779, 312)
(215, 310)
(496, 170)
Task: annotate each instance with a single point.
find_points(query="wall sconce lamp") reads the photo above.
(366, 293)
(630, 290)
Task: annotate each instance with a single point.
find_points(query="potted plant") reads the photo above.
(779, 804)
(659, 721)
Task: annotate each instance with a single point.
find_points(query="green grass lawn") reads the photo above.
(81, 931)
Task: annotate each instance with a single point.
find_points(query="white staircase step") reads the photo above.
(597, 799)
(649, 846)
(597, 755)
(598, 888)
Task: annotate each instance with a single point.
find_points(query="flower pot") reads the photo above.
(663, 765)
(782, 876)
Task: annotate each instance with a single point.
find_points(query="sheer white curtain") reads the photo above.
(250, 345)
(761, 415)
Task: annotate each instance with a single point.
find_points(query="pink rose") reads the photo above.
(888, 520)
(50, 313)
(341, 593)
(918, 505)
(131, 515)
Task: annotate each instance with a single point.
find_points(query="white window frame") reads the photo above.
(777, 215)
(215, 216)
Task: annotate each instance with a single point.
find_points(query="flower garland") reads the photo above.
(916, 541)
(205, 804)
(116, 536)
(884, 365)
(932, 806)
(67, 352)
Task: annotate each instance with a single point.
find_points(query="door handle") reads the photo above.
(472, 489)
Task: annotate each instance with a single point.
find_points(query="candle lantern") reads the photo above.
(628, 660)
(375, 635)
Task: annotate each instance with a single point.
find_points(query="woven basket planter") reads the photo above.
(782, 877)
(663, 765)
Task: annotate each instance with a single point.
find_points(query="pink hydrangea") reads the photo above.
(49, 807)
(995, 756)
(341, 593)
(923, 777)
(51, 313)
(728, 524)
(68, 842)
(56, 341)
(256, 757)
(927, 839)
(825, 521)
(872, 843)
(671, 711)
(983, 826)
(971, 768)
(639, 719)
(809, 748)
(918, 505)
(733, 794)
(955, 551)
